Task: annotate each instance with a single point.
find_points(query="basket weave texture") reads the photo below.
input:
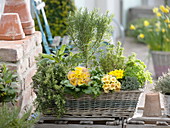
(117, 104)
(167, 104)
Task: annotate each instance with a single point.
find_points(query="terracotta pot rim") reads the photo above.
(28, 24)
(10, 37)
(29, 31)
(10, 13)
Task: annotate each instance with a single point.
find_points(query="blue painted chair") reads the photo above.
(49, 43)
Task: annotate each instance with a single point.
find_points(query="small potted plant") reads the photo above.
(163, 86)
(157, 36)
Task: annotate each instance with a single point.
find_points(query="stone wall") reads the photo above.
(20, 55)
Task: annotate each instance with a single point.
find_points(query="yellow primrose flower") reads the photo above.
(112, 86)
(79, 76)
(158, 14)
(155, 10)
(106, 90)
(117, 73)
(106, 78)
(141, 36)
(107, 82)
(79, 68)
(163, 30)
(85, 75)
(80, 82)
(167, 21)
(113, 79)
(78, 71)
(146, 23)
(117, 88)
(106, 86)
(132, 27)
(71, 75)
(73, 82)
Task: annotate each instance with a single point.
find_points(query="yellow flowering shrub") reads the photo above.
(79, 76)
(157, 33)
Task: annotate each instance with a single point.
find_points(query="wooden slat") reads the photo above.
(56, 41)
(151, 119)
(142, 108)
(40, 6)
(86, 122)
(146, 126)
(74, 126)
(65, 40)
(162, 123)
(75, 119)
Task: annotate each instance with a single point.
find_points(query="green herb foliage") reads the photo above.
(7, 81)
(163, 83)
(112, 59)
(57, 12)
(136, 68)
(52, 70)
(130, 83)
(87, 30)
(9, 118)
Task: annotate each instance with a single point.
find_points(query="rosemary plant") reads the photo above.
(87, 30)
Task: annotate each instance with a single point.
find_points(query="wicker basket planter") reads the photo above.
(118, 104)
(161, 62)
(167, 104)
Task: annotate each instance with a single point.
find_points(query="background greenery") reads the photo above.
(138, 23)
(57, 12)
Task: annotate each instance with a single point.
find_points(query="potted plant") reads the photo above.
(90, 81)
(163, 86)
(157, 37)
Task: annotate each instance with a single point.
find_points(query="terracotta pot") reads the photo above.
(152, 107)
(20, 7)
(11, 28)
(29, 30)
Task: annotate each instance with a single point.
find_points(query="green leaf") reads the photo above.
(62, 50)
(77, 89)
(47, 56)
